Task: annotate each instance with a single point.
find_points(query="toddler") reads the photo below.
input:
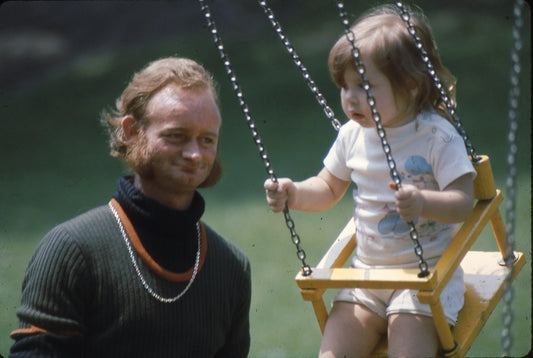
(436, 191)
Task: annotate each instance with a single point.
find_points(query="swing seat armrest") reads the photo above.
(341, 249)
(326, 278)
(482, 213)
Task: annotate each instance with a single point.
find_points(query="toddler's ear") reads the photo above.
(413, 89)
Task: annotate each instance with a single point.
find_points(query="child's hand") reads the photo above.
(409, 201)
(277, 194)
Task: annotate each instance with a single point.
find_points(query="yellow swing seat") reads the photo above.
(485, 273)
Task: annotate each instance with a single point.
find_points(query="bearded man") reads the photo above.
(143, 276)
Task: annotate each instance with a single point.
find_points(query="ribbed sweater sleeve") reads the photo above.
(238, 340)
(56, 289)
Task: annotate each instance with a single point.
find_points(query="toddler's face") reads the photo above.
(354, 101)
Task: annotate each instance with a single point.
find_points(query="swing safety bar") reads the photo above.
(485, 272)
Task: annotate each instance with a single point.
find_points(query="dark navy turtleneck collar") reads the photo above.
(169, 236)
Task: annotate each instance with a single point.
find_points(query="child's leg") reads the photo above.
(412, 336)
(352, 330)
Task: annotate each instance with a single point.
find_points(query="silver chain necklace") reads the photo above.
(140, 275)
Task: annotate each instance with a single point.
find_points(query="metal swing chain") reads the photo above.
(514, 94)
(512, 148)
(298, 62)
(404, 14)
(360, 68)
(295, 238)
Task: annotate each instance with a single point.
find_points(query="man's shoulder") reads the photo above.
(224, 246)
(93, 223)
(97, 216)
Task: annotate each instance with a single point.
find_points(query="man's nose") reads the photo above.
(191, 150)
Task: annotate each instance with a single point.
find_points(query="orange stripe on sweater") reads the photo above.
(148, 260)
(35, 329)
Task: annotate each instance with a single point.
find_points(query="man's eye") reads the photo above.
(208, 140)
(175, 136)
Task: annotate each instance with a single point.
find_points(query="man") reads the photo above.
(143, 276)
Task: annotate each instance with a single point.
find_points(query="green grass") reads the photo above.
(57, 164)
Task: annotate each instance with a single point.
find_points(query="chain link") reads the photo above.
(298, 62)
(514, 94)
(404, 14)
(252, 126)
(360, 68)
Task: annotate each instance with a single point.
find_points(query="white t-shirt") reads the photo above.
(428, 153)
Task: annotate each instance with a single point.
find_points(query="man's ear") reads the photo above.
(129, 127)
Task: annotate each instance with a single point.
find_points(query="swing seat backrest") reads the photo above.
(485, 275)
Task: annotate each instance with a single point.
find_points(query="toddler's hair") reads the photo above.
(383, 35)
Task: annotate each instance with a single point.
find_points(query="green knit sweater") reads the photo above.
(82, 298)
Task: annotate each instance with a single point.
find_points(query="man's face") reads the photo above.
(175, 152)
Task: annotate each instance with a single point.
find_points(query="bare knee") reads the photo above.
(412, 336)
(351, 331)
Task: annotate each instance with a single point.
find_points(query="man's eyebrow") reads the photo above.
(185, 129)
(176, 129)
(215, 134)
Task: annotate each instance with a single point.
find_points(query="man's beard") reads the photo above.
(139, 157)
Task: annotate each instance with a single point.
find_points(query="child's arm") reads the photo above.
(316, 193)
(452, 205)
